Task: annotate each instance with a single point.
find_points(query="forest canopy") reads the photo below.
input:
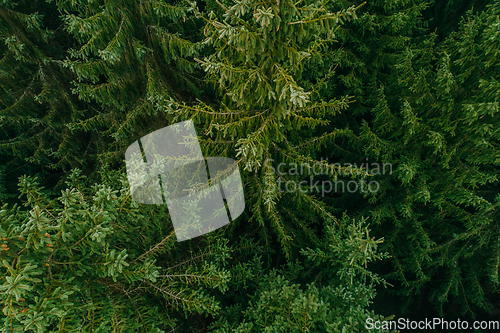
(366, 136)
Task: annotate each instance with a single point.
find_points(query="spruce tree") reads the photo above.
(80, 80)
(288, 83)
(93, 260)
(130, 58)
(435, 122)
(259, 64)
(36, 101)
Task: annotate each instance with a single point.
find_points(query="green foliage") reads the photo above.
(153, 42)
(335, 302)
(410, 83)
(259, 64)
(64, 102)
(35, 96)
(439, 131)
(95, 261)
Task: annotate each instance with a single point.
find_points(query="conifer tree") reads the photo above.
(131, 57)
(93, 260)
(268, 84)
(335, 302)
(132, 67)
(81, 79)
(435, 121)
(35, 96)
(259, 63)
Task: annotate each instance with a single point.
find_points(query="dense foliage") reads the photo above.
(340, 85)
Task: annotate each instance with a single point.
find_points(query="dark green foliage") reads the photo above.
(410, 83)
(436, 122)
(35, 96)
(81, 79)
(334, 302)
(131, 57)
